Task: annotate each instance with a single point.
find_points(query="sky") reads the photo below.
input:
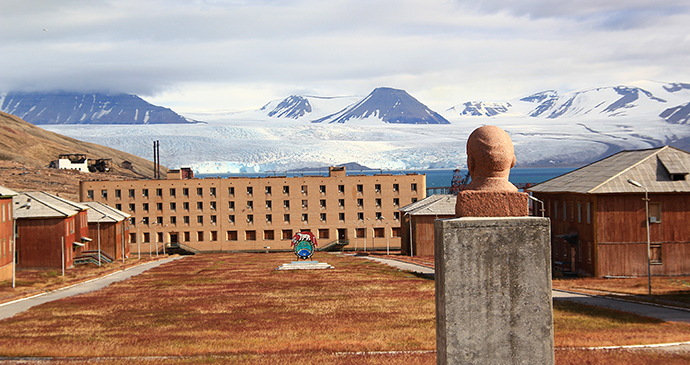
(213, 55)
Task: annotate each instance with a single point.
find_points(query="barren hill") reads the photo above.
(26, 152)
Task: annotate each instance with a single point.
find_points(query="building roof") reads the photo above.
(43, 205)
(437, 204)
(101, 213)
(660, 170)
(5, 192)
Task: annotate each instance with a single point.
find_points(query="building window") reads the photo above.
(305, 204)
(268, 205)
(159, 236)
(173, 220)
(269, 218)
(250, 205)
(200, 219)
(213, 219)
(250, 218)
(286, 190)
(232, 235)
(341, 189)
(159, 192)
(200, 206)
(200, 191)
(269, 235)
(555, 210)
(286, 234)
(146, 238)
(286, 218)
(132, 238)
(305, 217)
(395, 231)
(360, 216)
(396, 202)
(654, 212)
(655, 254)
(159, 220)
(565, 211)
(378, 216)
(200, 236)
(322, 203)
(185, 219)
(322, 217)
(589, 212)
(413, 200)
(413, 187)
(132, 221)
(250, 190)
(378, 202)
(377, 188)
(231, 218)
(379, 232)
(341, 217)
(231, 205)
(361, 232)
(322, 189)
(231, 191)
(173, 192)
(185, 191)
(173, 206)
(185, 206)
(131, 208)
(360, 203)
(286, 204)
(159, 206)
(118, 193)
(89, 194)
(341, 203)
(145, 193)
(268, 190)
(145, 207)
(396, 188)
(131, 193)
(579, 212)
(186, 237)
(396, 216)
(214, 235)
(118, 206)
(323, 233)
(360, 188)
(304, 190)
(250, 235)
(213, 205)
(212, 191)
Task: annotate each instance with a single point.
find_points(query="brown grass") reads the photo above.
(235, 308)
(673, 290)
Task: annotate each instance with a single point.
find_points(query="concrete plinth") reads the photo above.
(493, 291)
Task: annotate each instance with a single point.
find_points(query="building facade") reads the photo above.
(6, 233)
(259, 214)
(109, 229)
(598, 216)
(418, 223)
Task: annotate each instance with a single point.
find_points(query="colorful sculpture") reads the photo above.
(304, 244)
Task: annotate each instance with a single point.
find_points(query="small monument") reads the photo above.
(493, 267)
(304, 244)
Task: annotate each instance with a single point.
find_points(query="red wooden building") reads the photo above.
(417, 233)
(51, 231)
(6, 227)
(114, 229)
(598, 217)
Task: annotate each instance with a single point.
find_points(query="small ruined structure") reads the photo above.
(493, 268)
(73, 161)
(102, 165)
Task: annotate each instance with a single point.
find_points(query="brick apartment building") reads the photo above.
(248, 214)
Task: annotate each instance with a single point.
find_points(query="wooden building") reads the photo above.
(253, 213)
(6, 233)
(598, 217)
(109, 226)
(418, 223)
(51, 231)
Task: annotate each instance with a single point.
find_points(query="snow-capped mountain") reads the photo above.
(306, 107)
(388, 105)
(480, 108)
(75, 108)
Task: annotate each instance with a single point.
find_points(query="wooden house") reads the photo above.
(417, 223)
(598, 217)
(6, 233)
(109, 226)
(51, 231)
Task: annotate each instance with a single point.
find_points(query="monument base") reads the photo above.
(305, 265)
(493, 291)
(480, 203)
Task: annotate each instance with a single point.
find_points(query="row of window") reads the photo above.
(267, 235)
(268, 190)
(250, 205)
(250, 218)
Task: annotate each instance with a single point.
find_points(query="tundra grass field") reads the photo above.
(236, 308)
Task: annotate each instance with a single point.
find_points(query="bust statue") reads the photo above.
(490, 156)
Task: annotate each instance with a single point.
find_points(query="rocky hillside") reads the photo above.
(26, 151)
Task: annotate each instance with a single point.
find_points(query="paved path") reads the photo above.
(9, 309)
(664, 313)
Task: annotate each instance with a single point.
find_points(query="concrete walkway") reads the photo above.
(9, 309)
(665, 313)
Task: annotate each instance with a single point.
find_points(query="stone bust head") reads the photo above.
(490, 156)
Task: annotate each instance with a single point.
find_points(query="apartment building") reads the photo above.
(248, 214)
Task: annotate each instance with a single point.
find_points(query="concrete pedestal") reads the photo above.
(493, 291)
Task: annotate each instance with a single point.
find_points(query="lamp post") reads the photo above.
(646, 210)
(98, 228)
(151, 238)
(26, 205)
(365, 237)
(409, 222)
(388, 244)
(537, 200)
(355, 222)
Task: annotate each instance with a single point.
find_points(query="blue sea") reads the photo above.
(434, 178)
